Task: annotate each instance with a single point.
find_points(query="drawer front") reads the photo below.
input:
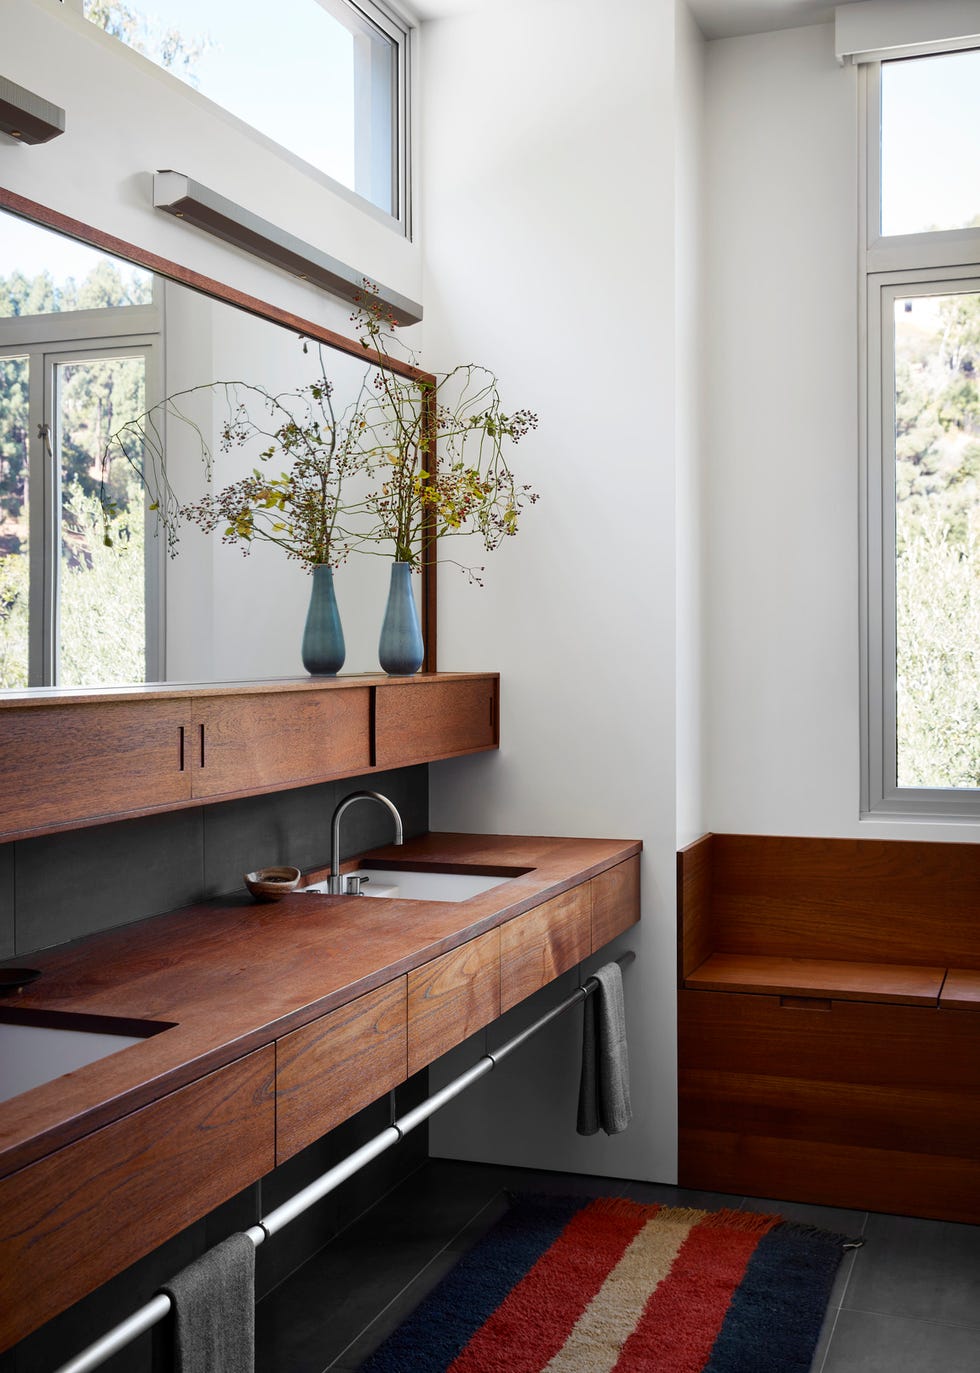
(328, 1070)
(848, 1104)
(537, 947)
(73, 1220)
(73, 763)
(426, 720)
(615, 901)
(255, 743)
(452, 997)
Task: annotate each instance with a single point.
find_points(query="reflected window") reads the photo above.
(324, 79)
(78, 332)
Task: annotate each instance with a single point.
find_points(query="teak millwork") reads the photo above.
(74, 758)
(274, 1024)
(813, 1064)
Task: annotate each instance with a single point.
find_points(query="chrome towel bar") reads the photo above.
(154, 1311)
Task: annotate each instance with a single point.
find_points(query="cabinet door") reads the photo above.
(420, 721)
(615, 901)
(537, 947)
(71, 764)
(328, 1070)
(452, 997)
(257, 742)
(73, 1220)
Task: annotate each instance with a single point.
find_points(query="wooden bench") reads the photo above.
(829, 1041)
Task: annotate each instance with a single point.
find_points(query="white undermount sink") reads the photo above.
(32, 1053)
(424, 885)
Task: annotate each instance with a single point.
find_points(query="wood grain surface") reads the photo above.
(615, 901)
(254, 743)
(339, 1063)
(809, 977)
(73, 1220)
(435, 720)
(538, 947)
(961, 990)
(452, 997)
(694, 931)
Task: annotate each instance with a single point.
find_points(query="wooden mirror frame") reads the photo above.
(218, 290)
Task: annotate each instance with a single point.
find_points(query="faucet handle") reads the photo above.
(354, 883)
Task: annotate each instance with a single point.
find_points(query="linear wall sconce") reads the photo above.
(25, 116)
(178, 195)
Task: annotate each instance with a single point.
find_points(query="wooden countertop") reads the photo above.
(231, 975)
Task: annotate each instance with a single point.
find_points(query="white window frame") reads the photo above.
(49, 340)
(890, 268)
(372, 106)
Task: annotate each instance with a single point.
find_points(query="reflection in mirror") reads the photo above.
(87, 343)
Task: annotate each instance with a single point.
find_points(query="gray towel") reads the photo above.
(214, 1311)
(604, 1092)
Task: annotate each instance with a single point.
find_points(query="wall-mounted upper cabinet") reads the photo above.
(81, 758)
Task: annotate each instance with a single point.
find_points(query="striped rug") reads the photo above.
(605, 1285)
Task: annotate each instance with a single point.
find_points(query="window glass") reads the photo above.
(937, 540)
(14, 567)
(42, 272)
(102, 600)
(930, 143)
(319, 86)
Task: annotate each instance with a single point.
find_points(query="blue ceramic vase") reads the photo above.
(401, 650)
(323, 638)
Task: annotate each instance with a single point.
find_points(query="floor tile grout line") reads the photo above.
(903, 1316)
(414, 1278)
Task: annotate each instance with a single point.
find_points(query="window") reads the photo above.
(78, 345)
(324, 79)
(921, 463)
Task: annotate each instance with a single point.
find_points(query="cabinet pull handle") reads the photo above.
(180, 747)
(201, 735)
(806, 1003)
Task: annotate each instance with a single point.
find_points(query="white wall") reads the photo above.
(781, 443)
(549, 212)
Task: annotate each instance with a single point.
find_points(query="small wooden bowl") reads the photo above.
(272, 884)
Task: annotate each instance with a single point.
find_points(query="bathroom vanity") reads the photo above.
(261, 1027)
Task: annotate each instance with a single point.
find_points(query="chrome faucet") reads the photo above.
(350, 884)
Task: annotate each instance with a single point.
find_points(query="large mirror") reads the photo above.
(90, 339)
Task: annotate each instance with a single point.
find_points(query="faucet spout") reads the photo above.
(337, 884)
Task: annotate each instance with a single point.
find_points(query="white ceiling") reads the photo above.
(717, 18)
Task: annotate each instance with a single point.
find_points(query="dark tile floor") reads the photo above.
(908, 1301)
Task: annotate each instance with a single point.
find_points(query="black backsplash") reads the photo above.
(64, 886)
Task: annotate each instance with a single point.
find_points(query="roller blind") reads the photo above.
(878, 29)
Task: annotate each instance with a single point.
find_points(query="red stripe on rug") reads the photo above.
(535, 1319)
(681, 1321)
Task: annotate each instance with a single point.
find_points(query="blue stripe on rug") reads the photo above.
(429, 1340)
(773, 1323)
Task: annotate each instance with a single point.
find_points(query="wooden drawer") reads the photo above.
(537, 947)
(328, 1070)
(868, 1105)
(452, 997)
(257, 743)
(615, 901)
(71, 1221)
(70, 764)
(425, 720)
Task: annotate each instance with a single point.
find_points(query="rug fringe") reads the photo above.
(755, 1222)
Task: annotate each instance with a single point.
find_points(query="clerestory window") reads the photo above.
(325, 80)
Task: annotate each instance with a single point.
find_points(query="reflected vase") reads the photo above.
(323, 638)
(400, 650)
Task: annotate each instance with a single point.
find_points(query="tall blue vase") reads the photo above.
(323, 638)
(401, 650)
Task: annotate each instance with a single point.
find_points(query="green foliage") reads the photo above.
(939, 660)
(166, 46)
(938, 543)
(13, 621)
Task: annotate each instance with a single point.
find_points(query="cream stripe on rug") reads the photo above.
(596, 1340)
